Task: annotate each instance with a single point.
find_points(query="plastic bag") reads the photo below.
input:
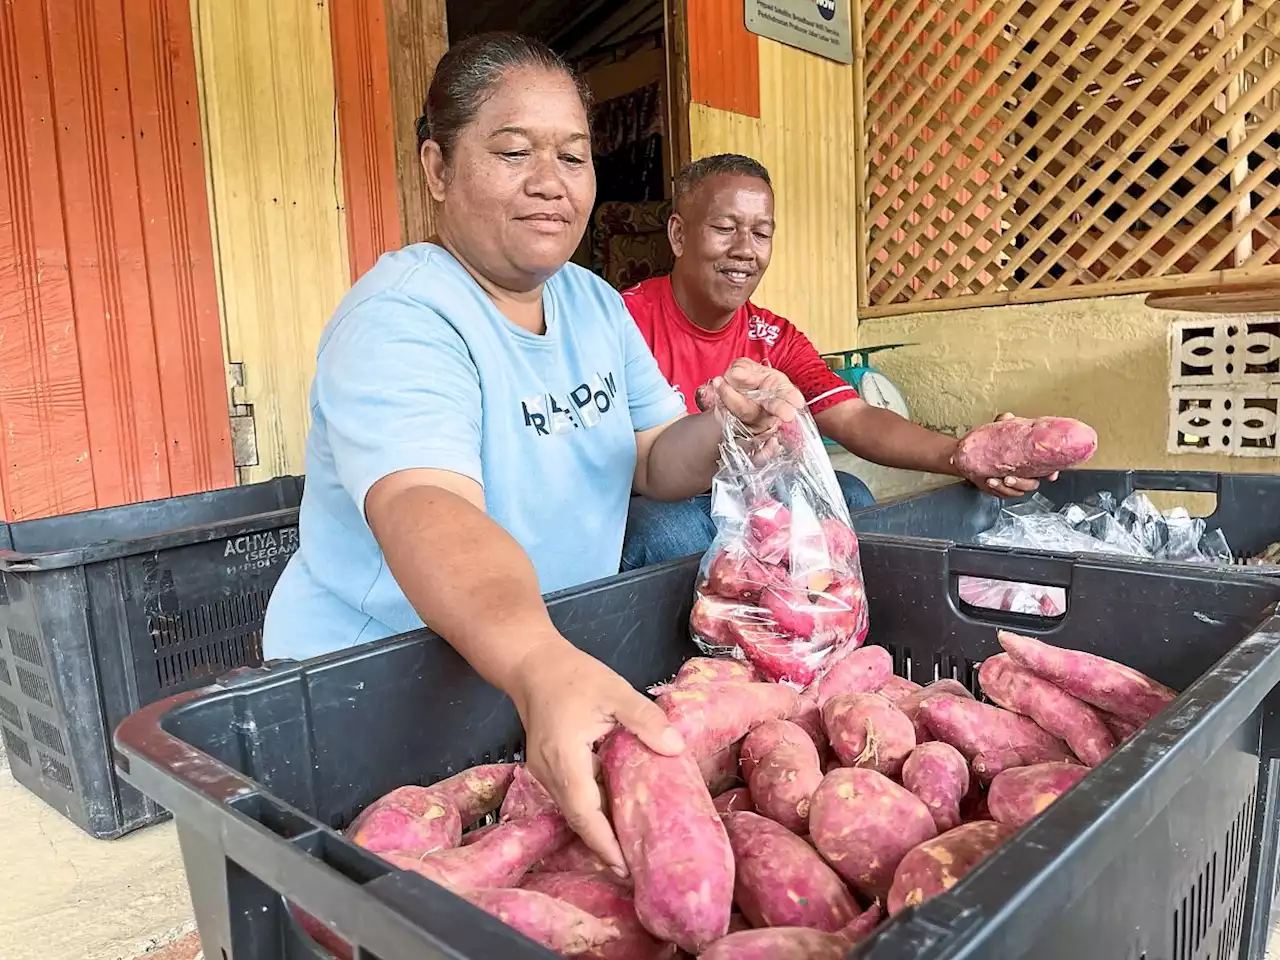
(781, 585)
(1017, 597)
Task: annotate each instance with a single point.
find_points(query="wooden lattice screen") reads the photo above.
(1017, 152)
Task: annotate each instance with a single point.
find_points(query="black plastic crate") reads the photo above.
(104, 611)
(1247, 511)
(1161, 853)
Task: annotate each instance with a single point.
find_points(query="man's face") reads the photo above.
(722, 237)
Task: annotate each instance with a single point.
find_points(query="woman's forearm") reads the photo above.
(467, 578)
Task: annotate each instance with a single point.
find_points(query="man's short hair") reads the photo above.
(733, 164)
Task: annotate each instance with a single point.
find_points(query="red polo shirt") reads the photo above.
(689, 356)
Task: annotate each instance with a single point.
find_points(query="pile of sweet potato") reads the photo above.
(794, 821)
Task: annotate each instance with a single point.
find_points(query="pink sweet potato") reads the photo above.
(387, 827)
(817, 617)
(1018, 796)
(736, 575)
(1121, 730)
(778, 943)
(866, 730)
(478, 791)
(937, 865)
(1103, 683)
(1018, 689)
(938, 774)
(731, 801)
(910, 704)
(860, 671)
(764, 738)
(1020, 447)
(606, 900)
(987, 766)
(322, 934)
(556, 925)
(808, 717)
(775, 655)
(574, 857)
(783, 782)
(864, 925)
(976, 729)
(781, 881)
(896, 688)
(712, 670)
(710, 716)
(471, 836)
(712, 620)
(498, 859)
(673, 841)
(526, 797)
(863, 824)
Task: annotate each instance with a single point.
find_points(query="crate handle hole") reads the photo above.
(283, 823)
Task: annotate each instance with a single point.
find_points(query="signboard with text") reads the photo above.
(818, 26)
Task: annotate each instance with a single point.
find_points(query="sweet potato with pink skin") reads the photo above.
(712, 620)
(720, 770)
(478, 791)
(987, 766)
(388, 827)
(864, 925)
(764, 738)
(498, 859)
(606, 900)
(1020, 447)
(866, 730)
(1018, 796)
(820, 618)
(711, 716)
(976, 729)
(1121, 730)
(783, 782)
(732, 801)
(860, 671)
(556, 925)
(842, 542)
(863, 824)
(778, 943)
(780, 880)
(322, 934)
(1100, 682)
(938, 774)
(471, 836)
(808, 717)
(736, 575)
(526, 797)
(937, 865)
(896, 688)
(714, 669)
(673, 841)
(1073, 721)
(574, 857)
(910, 704)
(778, 657)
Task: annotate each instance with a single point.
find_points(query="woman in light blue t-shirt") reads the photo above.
(481, 412)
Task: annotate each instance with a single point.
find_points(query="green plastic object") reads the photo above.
(855, 364)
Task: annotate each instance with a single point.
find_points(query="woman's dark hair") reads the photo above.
(468, 74)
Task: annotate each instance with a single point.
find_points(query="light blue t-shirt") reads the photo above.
(418, 369)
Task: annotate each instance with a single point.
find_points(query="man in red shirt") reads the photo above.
(700, 319)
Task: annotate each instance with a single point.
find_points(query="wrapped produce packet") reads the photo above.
(781, 585)
(1016, 597)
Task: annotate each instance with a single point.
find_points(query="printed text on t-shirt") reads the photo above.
(758, 329)
(583, 406)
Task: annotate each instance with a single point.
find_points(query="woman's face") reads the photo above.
(516, 193)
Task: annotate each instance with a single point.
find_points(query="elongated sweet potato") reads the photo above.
(498, 859)
(866, 730)
(1020, 447)
(910, 704)
(776, 655)
(388, 826)
(698, 670)
(808, 717)
(896, 688)
(712, 621)
(736, 575)
(980, 729)
(938, 774)
(1074, 721)
(673, 841)
(863, 824)
(781, 881)
(526, 797)
(606, 900)
(710, 716)
(864, 925)
(554, 924)
(1019, 795)
(778, 943)
(1121, 730)
(764, 738)
(1105, 684)
(471, 836)
(732, 801)
(937, 865)
(477, 791)
(573, 857)
(859, 671)
(783, 782)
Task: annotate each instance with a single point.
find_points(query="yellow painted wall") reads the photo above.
(804, 135)
(275, 184)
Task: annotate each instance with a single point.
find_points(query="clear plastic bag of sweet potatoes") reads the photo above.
(781, 585)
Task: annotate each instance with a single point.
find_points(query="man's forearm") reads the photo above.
(883, 437)
(683, 459)
(467, 578)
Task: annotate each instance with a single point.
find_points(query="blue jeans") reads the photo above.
(657, 532)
